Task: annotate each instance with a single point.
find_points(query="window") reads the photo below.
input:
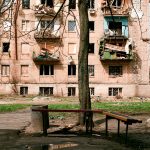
(5, 70)
(91, 25)
(91, 3)
(23, 90)
(71, 25)
(46, 91)
(47, 24)
(71, 69)
(47, 3)
(115, 27)
(91, 47)
(46, 70)
(71, 91)
(72, 4)
(115, 70)
(72, 48)
(26, 4)
(115, 91)
(25, 25)
(6, 2)
(6, 47)
(92, 91)
(25, 48)
(91, 70)
(24, 70)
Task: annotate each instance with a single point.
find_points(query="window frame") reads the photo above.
(23, 90)
(46, 71)
(71, 91)
(42, 91)
(91, 48)
(70, 26)
(92, 91)
(7, 46)
(25, 23)
(71, 70)
(91, 23)
(115, 71)
(26, 4)
(91, 70)
(72, 4)
(5, 70)
(112, 92)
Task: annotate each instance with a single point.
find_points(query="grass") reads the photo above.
(12, 107)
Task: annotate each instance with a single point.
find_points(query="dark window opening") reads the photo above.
(92, 93)
(46, 70)
(47, 3)
(6, 47)
(46, 91)
(26, 4)
(91, 3)
(115, 70)
(115, 27)
(72, 4)
(117, 3)
(91, 70)
(47, 24)
(71, 91)
(23, 90)
(91, 25)
(115, 91)
(91, 47)
(71, 69)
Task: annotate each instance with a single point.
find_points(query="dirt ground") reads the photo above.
(15, 130)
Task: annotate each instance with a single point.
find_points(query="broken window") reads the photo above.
(25, 25)
(91, 70)
(72, 4)
(71, 25)
(115, 70)
(71, 91)
(91, 25)
(116, 27)
(92, 91)
(91, 3)
(23, 90)
(26, 4)
(47, 24)
(46, 70)
(6, 47)
(45, 91)
(24, 70)
(114, 91)
(71, 69)
(91, 47)
(5, 70)
(47, 3)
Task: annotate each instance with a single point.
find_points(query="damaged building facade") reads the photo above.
(39, 47)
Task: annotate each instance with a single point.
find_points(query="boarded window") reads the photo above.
(72, 48)
(46, 70)
(25, 25)
(5, 70)
(91, 25)
(24, 70)
(25, 48)
(115, 70)
(45, 91)
(91, 70)
(71, 25)
(26, 4)
(71, 69)
(91, 47)
(6, 47)
(72, 4)
(23, 90)
(71, 91)
(114, 91)
(92, 92)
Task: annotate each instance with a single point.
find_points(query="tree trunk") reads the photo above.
(83, 77)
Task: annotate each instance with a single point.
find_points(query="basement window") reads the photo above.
(91, 25)
(91, 47)
(115, 70)
(26, 4)
(46, 70)
(92, 93)
(114, 91)
(116, 27)
(91, 70)
(45, 91)
(71, 91)
(71, 70)
(72, 4)
(6, 47)
(23, 90)
(48, 3)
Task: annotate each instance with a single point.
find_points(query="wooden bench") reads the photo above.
(120, 117)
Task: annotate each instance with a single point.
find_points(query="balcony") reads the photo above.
(47, 35)
(45, 57)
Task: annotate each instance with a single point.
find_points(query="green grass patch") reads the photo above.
(12, 107)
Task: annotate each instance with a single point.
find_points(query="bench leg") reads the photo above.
(106, 125)
(126, 138)
(118, 127)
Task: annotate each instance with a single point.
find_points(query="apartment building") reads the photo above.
(39, 47)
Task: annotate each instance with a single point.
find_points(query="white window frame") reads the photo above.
(5, 70)
(114, 91)
(25, 25)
